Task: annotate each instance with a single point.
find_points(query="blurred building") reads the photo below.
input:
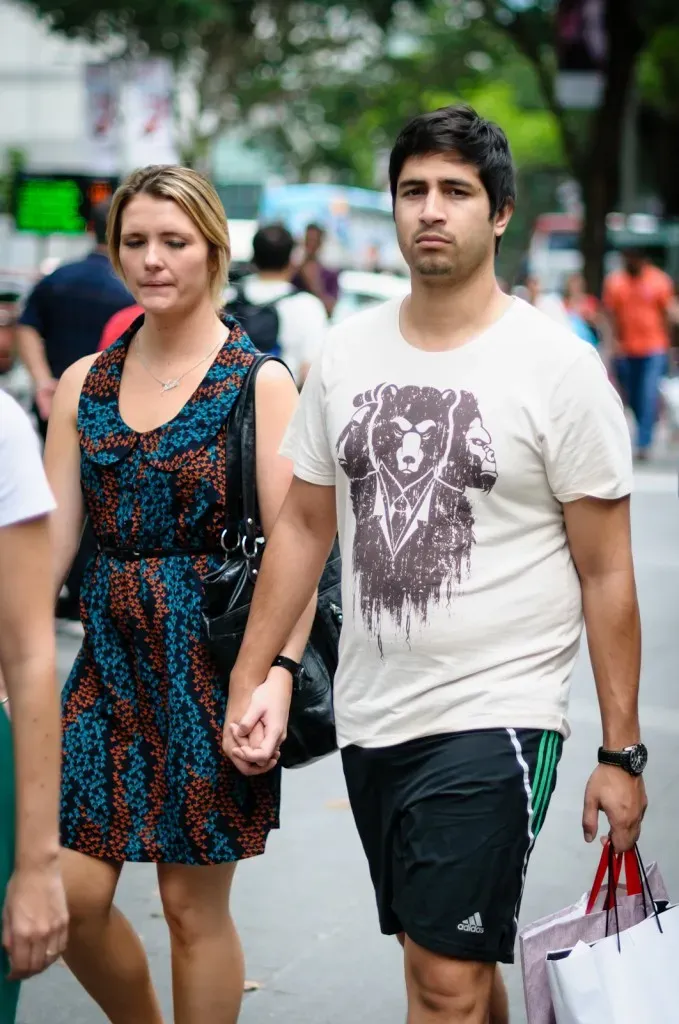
(43, 94)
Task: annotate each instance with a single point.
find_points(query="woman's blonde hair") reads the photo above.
(196, 196)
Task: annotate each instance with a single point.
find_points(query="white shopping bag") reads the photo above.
(630, 978)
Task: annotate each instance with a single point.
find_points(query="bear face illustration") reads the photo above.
(411, 431)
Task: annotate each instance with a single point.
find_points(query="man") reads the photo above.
(312, 276)
(478, 464)
(278, 316)
(65, 315)
(550, 304)
(62, 321)
(640, 301)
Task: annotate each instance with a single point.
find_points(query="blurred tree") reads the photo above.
(592, 145)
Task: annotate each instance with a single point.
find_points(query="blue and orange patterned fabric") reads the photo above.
(144, 776)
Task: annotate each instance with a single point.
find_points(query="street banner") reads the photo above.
(102, 117)
(149, 124)
(582, 52)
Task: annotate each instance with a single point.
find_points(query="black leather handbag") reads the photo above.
(228, 592)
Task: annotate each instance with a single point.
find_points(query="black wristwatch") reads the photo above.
(293, 667)
(632, 759)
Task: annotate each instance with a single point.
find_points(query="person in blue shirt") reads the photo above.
(62, 321)
(65, 314)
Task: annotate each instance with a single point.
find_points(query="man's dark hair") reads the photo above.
(98, 220)
(461, 130)
(272, 247)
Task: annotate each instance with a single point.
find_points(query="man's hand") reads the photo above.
(622, 798)
(44, 396)
(34, 920)
(253, 739)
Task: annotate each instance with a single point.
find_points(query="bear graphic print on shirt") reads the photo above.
(411, 454)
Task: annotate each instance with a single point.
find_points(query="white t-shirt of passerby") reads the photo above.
(462, 605)
(302, 319)
(24, 491)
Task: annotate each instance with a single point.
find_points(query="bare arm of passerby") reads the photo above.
(276, 399)
(34, 914)
(31, 349)
(62, 463)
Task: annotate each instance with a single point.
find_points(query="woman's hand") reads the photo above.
(34, 919)
(252, 740)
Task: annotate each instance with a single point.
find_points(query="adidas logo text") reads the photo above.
(471, 924)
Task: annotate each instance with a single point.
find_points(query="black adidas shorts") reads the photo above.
(448, 824)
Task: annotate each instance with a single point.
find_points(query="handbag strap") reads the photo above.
(242, 509)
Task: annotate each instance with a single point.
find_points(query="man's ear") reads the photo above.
(503, 217)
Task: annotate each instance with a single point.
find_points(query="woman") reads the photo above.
(142, 428)
(34, 919)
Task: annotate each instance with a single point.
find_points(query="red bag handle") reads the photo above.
(632, 877)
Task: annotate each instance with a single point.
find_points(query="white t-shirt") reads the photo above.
(302, 320)
(24, 491)
(462, 605)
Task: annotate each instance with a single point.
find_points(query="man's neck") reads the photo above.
(439, 316)
(101, 250)
(279, 276)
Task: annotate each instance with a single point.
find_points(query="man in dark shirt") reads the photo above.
(65, 315)
(62, 321)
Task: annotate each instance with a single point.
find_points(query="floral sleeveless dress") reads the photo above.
(144, 776)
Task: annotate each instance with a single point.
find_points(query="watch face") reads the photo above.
(638, 756)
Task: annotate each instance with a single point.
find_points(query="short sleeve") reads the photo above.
(665, 291)
(33, 313)
(610, 294)
(24, 491)
(306, 441)
(586, 443)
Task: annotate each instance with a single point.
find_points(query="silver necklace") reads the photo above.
(174, 382)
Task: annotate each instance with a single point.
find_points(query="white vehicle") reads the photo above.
(360, 289)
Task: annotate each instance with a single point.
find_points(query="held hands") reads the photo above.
(254, 731)
(622, 798)
(34, 919)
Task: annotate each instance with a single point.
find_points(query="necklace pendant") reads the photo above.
(169, 385)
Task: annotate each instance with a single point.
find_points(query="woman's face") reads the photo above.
(164, 256)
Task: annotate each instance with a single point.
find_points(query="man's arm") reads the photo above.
(292, 566)
(600, 542)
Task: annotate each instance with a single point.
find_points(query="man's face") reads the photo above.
(442, 215)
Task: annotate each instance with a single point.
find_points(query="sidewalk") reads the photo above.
(306, 910)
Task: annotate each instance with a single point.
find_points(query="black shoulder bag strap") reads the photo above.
(243, 526)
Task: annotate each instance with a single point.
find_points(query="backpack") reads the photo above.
(260, 322)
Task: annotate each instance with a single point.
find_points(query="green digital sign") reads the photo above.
(57, 204)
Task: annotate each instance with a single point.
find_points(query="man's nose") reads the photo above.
(432, 211)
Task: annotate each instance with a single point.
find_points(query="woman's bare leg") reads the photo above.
(104, 952)
(207, 959)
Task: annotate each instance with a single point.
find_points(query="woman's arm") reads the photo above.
(62, 464)
(276, 399)
(34, 914)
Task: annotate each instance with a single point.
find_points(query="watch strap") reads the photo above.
(293, 667)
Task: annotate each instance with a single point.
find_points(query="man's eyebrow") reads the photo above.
(418, 182)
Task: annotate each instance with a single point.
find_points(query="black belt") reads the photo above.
(136, 554)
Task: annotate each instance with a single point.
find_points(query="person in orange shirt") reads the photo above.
(640, 300)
